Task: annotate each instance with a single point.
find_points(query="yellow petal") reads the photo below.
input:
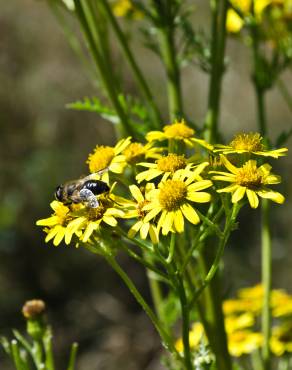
(228, 189)
(136, 193)
(134, 229)
(273, 179)
(89, 230)
(233, 23)
(153, 234)
(59, 236)
(144, 230)
(227, 178)
(252, 198)
(272, 195)
(228, 164)
(199, 197)
(110, 220)
(153, 213)
(52, 233)
(168, 222)
(190, 214)
(179, 221)
(238, 194)
(50, 221)
(200, 185)
(68, 236)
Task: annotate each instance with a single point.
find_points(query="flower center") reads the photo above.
(141, 213)
(172, 195)
(251, 142)
(96, 213)
(178, 130)
(171, 163)
(134, 153)
(101, 158)
(249, 176)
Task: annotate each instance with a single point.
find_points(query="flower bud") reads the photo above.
(33, 311)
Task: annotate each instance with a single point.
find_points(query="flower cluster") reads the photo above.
(163, 186)
(242, 316)
(271, 17)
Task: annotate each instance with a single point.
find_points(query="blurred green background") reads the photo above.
(44, 144)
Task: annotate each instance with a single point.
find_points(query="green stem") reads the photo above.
(149, 266)
(47, 343)
(166, 339)
(72, 358)
(168, 53)
(219, 13)
(132, 62)
(16, 355)
(220, 251)
(171, 248)
(266, 244)
(267, 282)
(185, 324)
(285, 93)
(101, 65)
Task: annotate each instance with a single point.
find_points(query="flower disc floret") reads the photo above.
(172, 195)
(250, 176)
(250, 143)
(250, 180)
(110, 158)
(100, 158)
(178, 131)
(171, 163)
(171, 202)
(165, 166)
(134, 152)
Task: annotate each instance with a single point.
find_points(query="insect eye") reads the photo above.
(59, 193)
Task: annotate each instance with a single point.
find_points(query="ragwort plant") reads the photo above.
(173, 190)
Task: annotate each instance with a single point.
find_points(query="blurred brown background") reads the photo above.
(43, 144)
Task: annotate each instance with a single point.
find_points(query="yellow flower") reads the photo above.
(166, 166)
(125, 8)
(196, 335)
(89, 220)
(136, 152)
(107, 157)
(281, 339)
(250, 180)
(234, 22)
(249, 143)
(243, 342)
(57, 224)
(172, 200)
(243, 321)
(255, 292)
(178, 131)
(281, 304)
(136, 211)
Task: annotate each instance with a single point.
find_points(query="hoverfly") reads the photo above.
(82, 190)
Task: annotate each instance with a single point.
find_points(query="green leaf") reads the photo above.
(95, 105)
(170, 309)
(22, 340)
(6, 345)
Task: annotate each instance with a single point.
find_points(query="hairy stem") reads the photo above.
(219, 12)
(132, 62)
